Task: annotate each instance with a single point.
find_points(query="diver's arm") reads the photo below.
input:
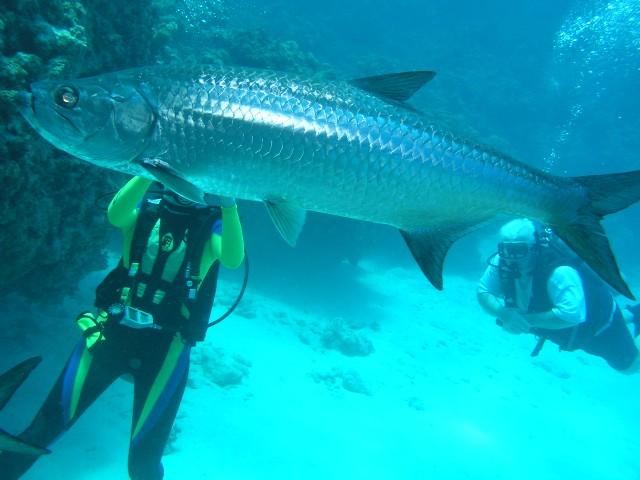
(490, 298)
(489, 291)
(511, 319)
(123, 209)
(566, 293)
(490, 303)
(547, 320)
(229, 247)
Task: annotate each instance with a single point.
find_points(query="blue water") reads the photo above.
(553, 83)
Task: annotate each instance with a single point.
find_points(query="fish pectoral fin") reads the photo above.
(429, 247)
(11, 443)
(167, 175)
(288, 219)
(11, 380)
(397, 87)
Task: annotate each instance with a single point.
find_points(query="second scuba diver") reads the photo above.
(151, 309)
(536, 285)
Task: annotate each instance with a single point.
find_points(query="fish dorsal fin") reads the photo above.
(397, 87)
(288, 219)
(429, 247)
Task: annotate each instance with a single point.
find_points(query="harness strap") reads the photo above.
(183, 301)
(540, 343)
(609, 321)
(572, 339)
(91, 330)
(147, 218)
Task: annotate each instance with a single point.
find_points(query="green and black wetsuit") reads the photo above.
(168, 268)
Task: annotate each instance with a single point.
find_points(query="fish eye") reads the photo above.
(66, 96)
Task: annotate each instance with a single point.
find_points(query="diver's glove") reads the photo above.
(92, 327)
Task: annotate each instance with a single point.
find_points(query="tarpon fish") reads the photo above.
(10, 381)
(349, 148)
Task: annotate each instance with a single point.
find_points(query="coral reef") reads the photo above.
(338, 336)
(339, 378)
(52, 233)
(219, 367)
(51, 229)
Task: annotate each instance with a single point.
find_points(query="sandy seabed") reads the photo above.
(430, 388)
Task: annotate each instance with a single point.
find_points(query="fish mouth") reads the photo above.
(25, 104)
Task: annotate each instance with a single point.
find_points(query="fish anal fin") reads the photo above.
(397, 87)
(429, 247)
(288, 219)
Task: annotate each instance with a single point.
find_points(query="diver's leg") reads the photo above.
(82, 380)
(159, 385)
(616, 345)
(635, 366)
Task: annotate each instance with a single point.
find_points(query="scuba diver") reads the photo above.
(535, 284)
(151, 309)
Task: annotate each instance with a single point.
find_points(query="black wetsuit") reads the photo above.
(603, 333)
(158, 362)
(160, 275)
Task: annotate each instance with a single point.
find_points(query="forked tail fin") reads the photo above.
(606, 194)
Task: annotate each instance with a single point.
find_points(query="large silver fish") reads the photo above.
(353, 149)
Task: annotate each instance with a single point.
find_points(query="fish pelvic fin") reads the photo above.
(288, 219)
(606, 194)
(429, 247)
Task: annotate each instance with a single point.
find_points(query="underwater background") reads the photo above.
(342, 361)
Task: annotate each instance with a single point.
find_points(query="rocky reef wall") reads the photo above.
(51, 230)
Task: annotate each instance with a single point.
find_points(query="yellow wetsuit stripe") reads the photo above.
(228, 247)
(159, 384)
(123, 211)
(78, 381)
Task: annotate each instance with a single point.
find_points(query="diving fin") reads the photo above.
(11, 443)
(10, 381)
(287, 218)
(166, 174)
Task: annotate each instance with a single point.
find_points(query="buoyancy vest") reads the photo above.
(599, 302)
(164, 277)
